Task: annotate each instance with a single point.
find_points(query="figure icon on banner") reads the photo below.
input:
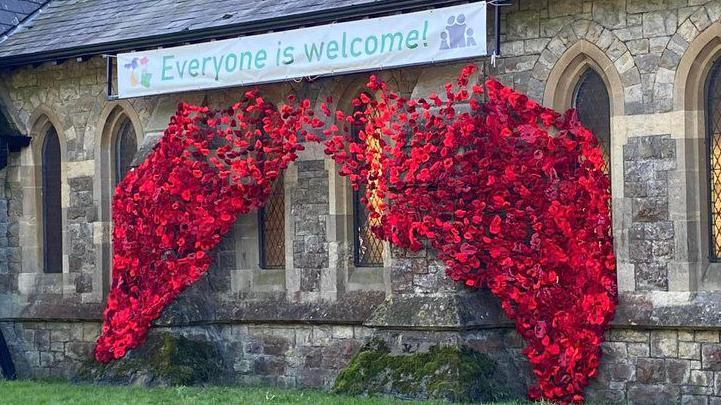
(469, 38)
(444, 41)
(457, 34)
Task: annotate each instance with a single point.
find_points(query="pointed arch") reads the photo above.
(119, 136)
(42, 224)
(120, 126)
(565, 76)
(696, 96)
(581, 62)
(51, 194)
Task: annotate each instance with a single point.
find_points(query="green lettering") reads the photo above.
(246, 57)
(205, 62)
(314, 51)
(332, 50)
(389, 40)
(181, 68)
(193, 67)
(345, 54)
(167, 67)
(288, 57)
(352, 47)
(260, 59)
(218, 64)
(370, 51)
(228, 66)
(412, 39)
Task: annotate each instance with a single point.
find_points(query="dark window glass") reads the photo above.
(594, 109)
(52, 211)
(713, 159)
(124, 150)
(367, 248)
(272, 229)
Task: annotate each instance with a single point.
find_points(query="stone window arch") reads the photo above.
(695, 96)
(343, 201)
(591, 101)
(116, 146)
(712, 108)
(582, 71)
(586, 79)
(125, 146)
(367, 247)
(52, 221)
(271, 229)
(42, 222)
(119, 140)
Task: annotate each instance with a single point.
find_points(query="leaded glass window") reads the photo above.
(52, 211)
(713, 159)
(367, 248)
(594, 109)
(271, 225)
(124, 149)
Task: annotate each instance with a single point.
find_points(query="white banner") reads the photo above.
(401, 40)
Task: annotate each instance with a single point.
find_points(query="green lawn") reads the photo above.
(33, 392)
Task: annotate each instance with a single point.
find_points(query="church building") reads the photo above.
(297, 289)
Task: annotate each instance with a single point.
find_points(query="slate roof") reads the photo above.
(94, 26)
(13, 12)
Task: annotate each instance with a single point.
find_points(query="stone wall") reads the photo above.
(660, 366)
(49, 349)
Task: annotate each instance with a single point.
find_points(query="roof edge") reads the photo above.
(183, 37)
(5, 35)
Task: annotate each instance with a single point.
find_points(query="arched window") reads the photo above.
(594, 109)
(271, 226)
(713, 159)
(52, 211)
(367, 248)
(124, 149)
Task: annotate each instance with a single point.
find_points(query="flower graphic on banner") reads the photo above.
(144, 77)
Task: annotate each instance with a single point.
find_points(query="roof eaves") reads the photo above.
(381, 7)
(4, 36)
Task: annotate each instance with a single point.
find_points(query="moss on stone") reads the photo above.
(451, 373)
(164, 360)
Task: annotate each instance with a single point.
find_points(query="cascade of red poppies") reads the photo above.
(169, 214)
(511, 195)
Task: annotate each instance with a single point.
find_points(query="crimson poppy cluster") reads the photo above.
(169, 214)
(511, 195)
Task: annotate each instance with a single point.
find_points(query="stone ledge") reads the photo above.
(353, 308)
(692, 310)
(461, 310)
(651, 310)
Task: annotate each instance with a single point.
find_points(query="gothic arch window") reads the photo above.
(271, 227)
(51, 198)
(713, 159)
(593, 105)
(367, 248)
(125, 146)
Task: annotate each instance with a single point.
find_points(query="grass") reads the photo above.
(42, 392)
